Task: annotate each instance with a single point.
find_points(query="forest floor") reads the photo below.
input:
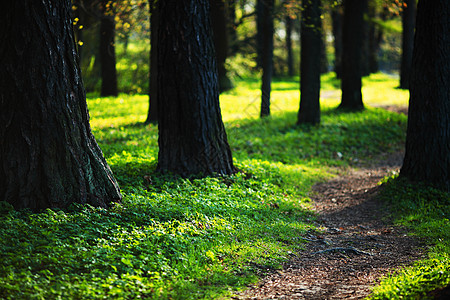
(359, 246)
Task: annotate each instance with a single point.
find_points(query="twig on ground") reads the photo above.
(342, 249)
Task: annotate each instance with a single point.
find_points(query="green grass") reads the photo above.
(195, 238)
(425, 211)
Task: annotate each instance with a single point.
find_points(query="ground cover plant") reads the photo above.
(196, 237)
(426, 212)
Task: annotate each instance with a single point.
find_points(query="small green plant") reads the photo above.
(191, 238)
(425, 211)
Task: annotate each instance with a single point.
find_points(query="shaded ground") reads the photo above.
(359, 245)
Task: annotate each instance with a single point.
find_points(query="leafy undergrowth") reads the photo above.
(425, 211)
(196, 237)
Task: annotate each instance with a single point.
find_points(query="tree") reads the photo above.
(311, 45)
(427, 156)
(352, 36)
(219, 21)
(288, 21)
(192, 138)
(408, 20)
(265, 37)
(107, 51)
(48, 155)
(337, 16)
(152, 116)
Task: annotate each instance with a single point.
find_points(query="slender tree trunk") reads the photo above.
(48, 155)
(311, 43)
(375, 34)
(107, 53)
(290, 58)
(352, 37)
(408, 20)
(152, 115)
(192, 138)
(337, 16)
(219, 22)
(232, 32)
(323, 53)
(427, 156)
(265, 17)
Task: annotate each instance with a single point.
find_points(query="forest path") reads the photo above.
(359, 246)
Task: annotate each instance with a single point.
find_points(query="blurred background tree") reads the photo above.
(236, 39)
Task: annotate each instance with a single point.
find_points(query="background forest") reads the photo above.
(207, 234)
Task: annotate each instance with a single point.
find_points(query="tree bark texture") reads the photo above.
(219, 22)
(152, 115)
(352, 41)
(192, 138)
(408, 20)
(311, 44)
(265, 16)
(427, 156)
(48, 155)
(108, 53)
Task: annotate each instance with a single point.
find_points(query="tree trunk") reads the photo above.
(107, 53)
(219, 23)
(265, 17)
(152, 115)
(337, 16)
(49, 157)
(408, 19)
(427, 156)
(311, 43)
(192, 138)
(352, 37)
(290, 58)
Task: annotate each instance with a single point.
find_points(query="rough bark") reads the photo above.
(48, 155)
(311, 44)
(352, 37)
(427, 156)
(192, 138)
(408, 20)
(152, 115)
(265, 32)
(108, 53)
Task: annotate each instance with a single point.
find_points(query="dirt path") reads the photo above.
(360, 243)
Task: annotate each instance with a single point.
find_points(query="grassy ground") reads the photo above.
(198, 237)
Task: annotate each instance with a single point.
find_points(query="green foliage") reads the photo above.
(189, 238)
(426, 212)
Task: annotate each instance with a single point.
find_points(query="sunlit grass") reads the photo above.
(196, 237)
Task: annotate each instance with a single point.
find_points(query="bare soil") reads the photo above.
(359, 246)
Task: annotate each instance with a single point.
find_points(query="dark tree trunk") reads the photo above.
(219, 23)
(232, 32)
(290, 57)
(192, 138)
(366, 37)
(337, 16)
(311, 43)
(352, 37)
(265, 16)
(152, 116)
(48, 155)
(375, 34)
(408, 20)
(107, 53)
(323, 54)
(427, 156)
